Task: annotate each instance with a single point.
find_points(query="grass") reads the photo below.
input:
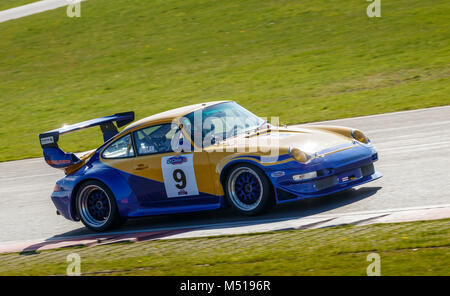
(413, 248)
(300, 60)
(7, 4)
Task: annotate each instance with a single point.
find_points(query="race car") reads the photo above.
(202, 157)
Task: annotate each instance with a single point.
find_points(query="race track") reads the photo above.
(413, 146)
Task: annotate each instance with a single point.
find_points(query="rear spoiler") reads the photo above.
(57, 158)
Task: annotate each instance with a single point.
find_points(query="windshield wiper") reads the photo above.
(258, 128)
(264, 123)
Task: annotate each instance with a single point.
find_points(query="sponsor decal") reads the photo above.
(350, 178)
(277, 174)
(176, 160)
(47, 140)
(62, 161)
(179, 175)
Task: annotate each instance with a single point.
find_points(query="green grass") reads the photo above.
(415, 248)
(7, 4)
(300, 60)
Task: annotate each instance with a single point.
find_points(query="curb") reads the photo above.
(320, 221)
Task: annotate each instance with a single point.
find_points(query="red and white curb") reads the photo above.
(327, 220)
(316, 221)
(86, 240)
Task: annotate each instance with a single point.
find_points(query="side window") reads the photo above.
(155, 139)
(121, 148)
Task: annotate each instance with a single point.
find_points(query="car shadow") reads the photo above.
(166, 225)
(216, 219)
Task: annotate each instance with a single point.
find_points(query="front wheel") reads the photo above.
(96, 206)
(248, 189)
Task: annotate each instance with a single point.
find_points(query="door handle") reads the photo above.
(140, 166)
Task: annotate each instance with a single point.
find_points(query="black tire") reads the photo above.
(236, 194)
(97, 208)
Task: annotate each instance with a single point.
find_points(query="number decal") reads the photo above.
(179, 176)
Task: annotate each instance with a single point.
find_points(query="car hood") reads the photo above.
(308, 140)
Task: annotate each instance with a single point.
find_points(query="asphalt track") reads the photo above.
(413, 146)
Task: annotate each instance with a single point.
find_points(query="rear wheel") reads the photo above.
(97, 208)
(248, 189)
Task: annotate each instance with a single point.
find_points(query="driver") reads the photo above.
(159, 139)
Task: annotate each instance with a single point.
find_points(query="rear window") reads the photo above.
(121, 148)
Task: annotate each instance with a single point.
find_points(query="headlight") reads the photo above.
(360, 136)
(299, 155)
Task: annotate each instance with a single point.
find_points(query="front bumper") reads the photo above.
(335, 172)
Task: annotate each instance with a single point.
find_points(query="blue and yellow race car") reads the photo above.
(202, 157)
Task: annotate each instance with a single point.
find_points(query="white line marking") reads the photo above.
(387, 114)
(423, 125)
(389, 153)
(32, 8)
(414, 147)
(32, 176)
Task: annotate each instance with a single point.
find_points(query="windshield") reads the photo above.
(219, 122)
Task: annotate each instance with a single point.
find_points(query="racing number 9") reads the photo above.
(179, 176)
